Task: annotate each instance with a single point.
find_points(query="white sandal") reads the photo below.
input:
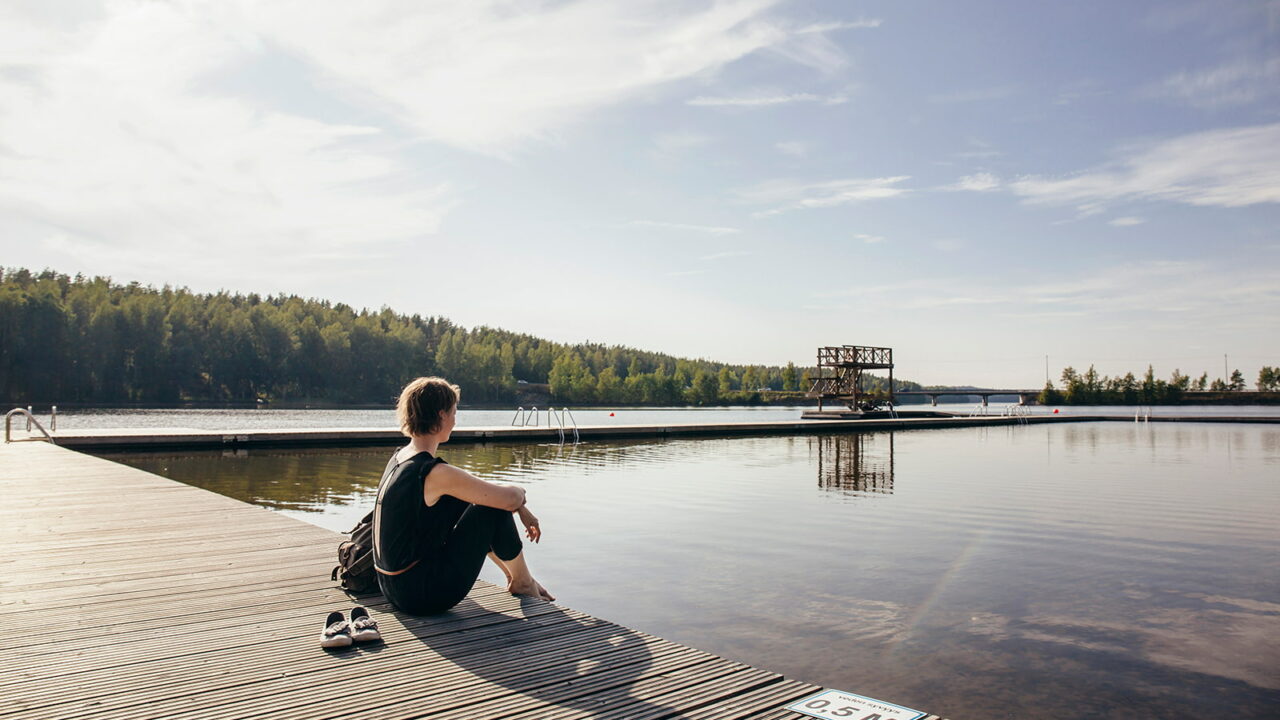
(337, 631)
(363, 627)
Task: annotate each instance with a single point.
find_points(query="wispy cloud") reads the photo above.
(1079, 90)
(794, 148)
(839, 25)
(674, 143)
(869, 239)
(1239, 83)
(727, 254)
(709, 229)
(480, 76)
(786, 195)
(684, 273)
(1190, 290)
(1127, 221)
(978, 182)
(809, 45)
(766, 100)
(986, 94)
(1226, 168)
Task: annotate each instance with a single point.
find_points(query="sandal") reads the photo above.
(336, 633)
(363, 627)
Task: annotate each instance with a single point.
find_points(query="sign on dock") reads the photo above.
(841, 705)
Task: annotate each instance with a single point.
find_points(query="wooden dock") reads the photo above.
(160, 438)
(127, 595)
(153, 439)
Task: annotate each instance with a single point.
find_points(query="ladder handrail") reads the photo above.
(555, 420)
(31, 419)
(573, 420)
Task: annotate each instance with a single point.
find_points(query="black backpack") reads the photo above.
(354, 571)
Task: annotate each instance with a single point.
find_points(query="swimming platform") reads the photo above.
(186, 438)
(129, 595)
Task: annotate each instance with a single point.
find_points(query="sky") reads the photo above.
(989, 188)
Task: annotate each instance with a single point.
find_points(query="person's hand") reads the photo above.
(530, 521)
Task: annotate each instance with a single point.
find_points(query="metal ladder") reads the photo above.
(31, 420)
(555, 419)
(1019, 412)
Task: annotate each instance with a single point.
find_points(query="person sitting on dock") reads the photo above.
(434, 524)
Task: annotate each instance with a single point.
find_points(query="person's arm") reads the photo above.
(449, 480)
(530, 521)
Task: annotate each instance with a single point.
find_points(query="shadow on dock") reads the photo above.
(557, 657)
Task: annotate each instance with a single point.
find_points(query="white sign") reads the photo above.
(840, 705)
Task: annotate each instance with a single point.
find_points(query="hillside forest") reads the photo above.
(90, 340)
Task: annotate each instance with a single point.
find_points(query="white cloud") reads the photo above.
(869, 239)
(727, 254)
(978, 182)
(974, 95)
(1239, 83)
(485, 75)
(978, 150)
(839, 25)
(1127, 221)
(112, 151)
(710, 229)
(1191, 291)
(788, 195)
(794, 148)
(766, 100)
(1076, 91)
(809, 45)
(135, 132)
(1225, 168)
(677, 142)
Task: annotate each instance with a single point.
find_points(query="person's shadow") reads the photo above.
(496, 655)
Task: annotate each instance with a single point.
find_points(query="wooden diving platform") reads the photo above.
(128, 595)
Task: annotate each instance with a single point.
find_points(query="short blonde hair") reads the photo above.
(421, 403)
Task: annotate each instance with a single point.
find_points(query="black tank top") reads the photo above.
(405, 530)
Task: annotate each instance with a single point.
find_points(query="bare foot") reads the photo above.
(542, 592)
(531, 588)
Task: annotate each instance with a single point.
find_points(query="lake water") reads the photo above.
(271, 418)
(1043, 571)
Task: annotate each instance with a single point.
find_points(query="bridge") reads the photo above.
(1025, 397)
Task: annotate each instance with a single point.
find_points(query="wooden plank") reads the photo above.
(250, 662)
(750, 704)
(251, 682)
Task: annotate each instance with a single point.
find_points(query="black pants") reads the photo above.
(440, 582)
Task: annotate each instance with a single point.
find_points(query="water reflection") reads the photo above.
(856, 464)
(299, 480)
(1037, 571)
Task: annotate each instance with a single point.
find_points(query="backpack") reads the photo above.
(354, 571)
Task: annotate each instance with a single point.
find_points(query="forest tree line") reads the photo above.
(1090, 388)
(90, 340)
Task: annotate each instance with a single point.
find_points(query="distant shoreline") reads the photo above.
(1226, 399)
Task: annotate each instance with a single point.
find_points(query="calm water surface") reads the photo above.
(1076, 570)
(270, 418)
